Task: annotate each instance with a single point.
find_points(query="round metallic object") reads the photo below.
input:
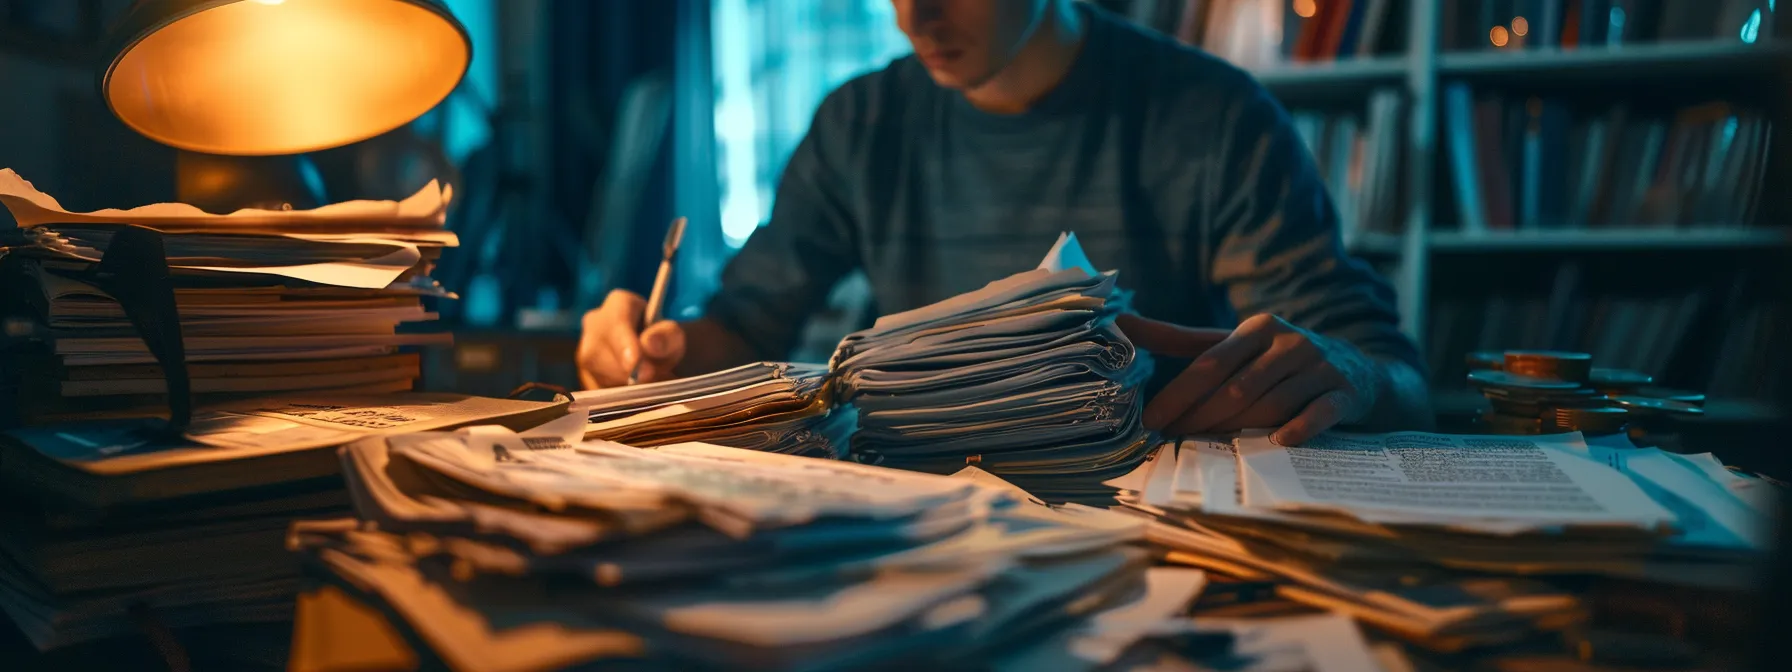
(1512, 381)
(1500, 423)
(1597, 420)
(1686, 396)
(1619, 379)
(1653, 406)
(1551, 364)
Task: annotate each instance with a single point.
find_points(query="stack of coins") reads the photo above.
(1596, 420)
(1574, 367)
(1546, 391)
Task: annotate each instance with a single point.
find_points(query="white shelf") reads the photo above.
(1600, 240)
(1648, 61)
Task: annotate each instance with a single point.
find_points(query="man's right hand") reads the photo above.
(611, 347)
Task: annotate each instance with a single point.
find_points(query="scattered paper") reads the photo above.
(1318, 643)
(1759, 494)
(1543, 478)
(427, 207)
(375, 273)
(1168, 593)
(1066, 254)
(995, 482)
(1135, 480)
(1709, 513)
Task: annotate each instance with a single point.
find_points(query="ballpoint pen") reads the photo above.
(657, 299)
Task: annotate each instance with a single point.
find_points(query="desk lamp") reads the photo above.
(260, 78)
(273, 77)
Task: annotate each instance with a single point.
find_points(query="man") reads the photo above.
(1015, 120)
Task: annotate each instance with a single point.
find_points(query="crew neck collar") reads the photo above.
(1071, 93)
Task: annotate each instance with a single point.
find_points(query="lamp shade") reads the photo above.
(264, 77)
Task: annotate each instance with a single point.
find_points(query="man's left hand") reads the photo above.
(1265, 373)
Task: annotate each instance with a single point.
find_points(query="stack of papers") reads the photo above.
(109, 527)
(490, 550)
(1446, 541)
(1027, 378)
(268, 301)
(775, 407)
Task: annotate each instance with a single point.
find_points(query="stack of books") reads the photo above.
(1451, 542)
(114, 529)
(498, 551)
(267, 302)
(1358, 156)
(1028, 378)
(1551, 162)
(1504, 25)
(1256, 34)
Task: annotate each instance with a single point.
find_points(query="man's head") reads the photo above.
(965, 43)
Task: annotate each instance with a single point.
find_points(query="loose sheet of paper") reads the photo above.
(1543, 478)
(1323, 643)
(1710, 515)
(1067, 253)
(1168, 592)
(34, 208)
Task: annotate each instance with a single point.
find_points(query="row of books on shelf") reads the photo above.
(1358, 155)
(1261, 33)
(1527, 162)
(1671, 335)
(1471, 25)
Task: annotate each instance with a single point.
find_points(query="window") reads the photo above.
(775, 60)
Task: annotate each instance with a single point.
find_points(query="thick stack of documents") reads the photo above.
(268, 301)
(495, 551)
(771, 406)
(1027, 378)
(1446, 541)
(111, 528)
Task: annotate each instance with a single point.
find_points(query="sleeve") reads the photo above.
(786, 269)
(1275, 241)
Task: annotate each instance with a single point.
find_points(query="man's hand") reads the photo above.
(1265, 373)
(610, 347)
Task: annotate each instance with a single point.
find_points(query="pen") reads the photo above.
(657, 299)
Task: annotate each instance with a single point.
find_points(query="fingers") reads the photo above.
(1324, 413)
(1168, 340)
(1213, 368)
(609, 346)
(1281, 403)
(1248, 388)
(621, 312)
(662, 346)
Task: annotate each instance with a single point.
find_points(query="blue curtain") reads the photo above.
(695, 193)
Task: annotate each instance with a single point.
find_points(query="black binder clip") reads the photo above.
(134, 271)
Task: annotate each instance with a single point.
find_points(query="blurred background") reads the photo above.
(1596, 175)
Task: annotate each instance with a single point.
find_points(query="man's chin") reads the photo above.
(957, 81)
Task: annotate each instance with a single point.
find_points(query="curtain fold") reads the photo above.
(696, 194)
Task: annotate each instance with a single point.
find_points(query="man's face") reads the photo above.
(963, 43)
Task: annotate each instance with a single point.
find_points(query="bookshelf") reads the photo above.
(1648, 61)
(1714, 237)
(1359, 74)
(1734, 262)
